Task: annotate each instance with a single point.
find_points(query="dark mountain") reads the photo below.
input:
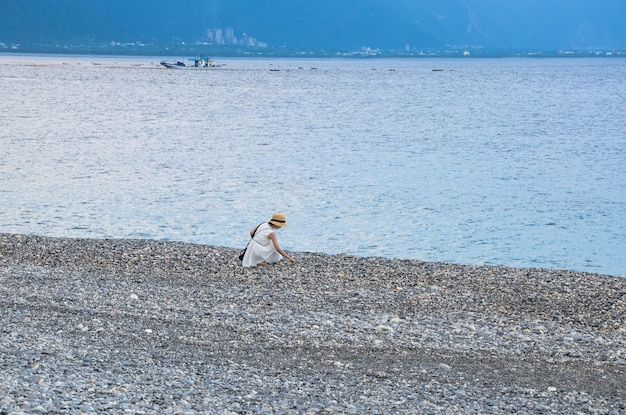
(334, 24)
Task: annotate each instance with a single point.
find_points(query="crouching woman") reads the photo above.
(264, 248)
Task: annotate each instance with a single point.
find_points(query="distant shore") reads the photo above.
(143, 326)
(266, 53)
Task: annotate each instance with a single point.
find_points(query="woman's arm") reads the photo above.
(274, 239)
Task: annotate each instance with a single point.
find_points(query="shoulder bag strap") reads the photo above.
(254, 234)
(256, 229)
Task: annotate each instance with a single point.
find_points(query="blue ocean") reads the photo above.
(518, 162)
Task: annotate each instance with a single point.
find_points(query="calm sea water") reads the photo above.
(516, 162)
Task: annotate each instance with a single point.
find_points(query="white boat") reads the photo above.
(201, 62)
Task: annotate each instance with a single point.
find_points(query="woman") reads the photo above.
(264, 249)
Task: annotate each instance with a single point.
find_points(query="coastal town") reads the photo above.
(227, 42)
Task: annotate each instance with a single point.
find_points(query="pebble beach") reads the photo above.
(93, 326)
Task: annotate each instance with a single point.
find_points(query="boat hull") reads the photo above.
(198, 64)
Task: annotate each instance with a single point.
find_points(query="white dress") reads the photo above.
(261, 248)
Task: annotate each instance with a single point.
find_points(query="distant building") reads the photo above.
(227, 37)
(230, 38)
(248, 41)
(219, 38)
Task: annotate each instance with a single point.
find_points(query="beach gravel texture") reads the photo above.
(149, 327)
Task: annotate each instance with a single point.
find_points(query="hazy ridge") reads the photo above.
(535, 24)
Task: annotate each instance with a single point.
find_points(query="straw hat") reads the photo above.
(278, 219)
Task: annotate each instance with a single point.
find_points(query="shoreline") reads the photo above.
(106, 326)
